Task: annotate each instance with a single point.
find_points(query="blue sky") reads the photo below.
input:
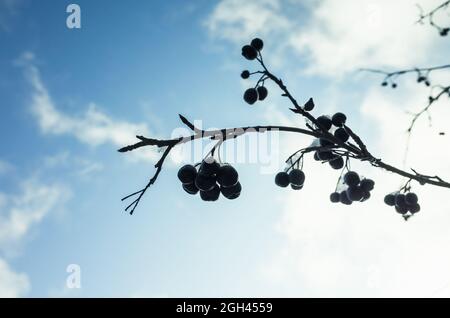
(71, 98)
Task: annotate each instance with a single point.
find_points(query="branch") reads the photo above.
(348, 149)
(431, 101)
(443, 31)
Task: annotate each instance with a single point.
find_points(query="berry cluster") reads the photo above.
(357, 189)
(403, 203)
(250, 52)
(210, 180)
(296, 178)
(336, 123)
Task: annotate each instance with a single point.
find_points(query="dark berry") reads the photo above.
(309, 106)
(245, 74)
(341, 134)
(338, 119)
(351, 178)
(335, 197)
(257, 43)
(231, 192)
(316, 156)
(324, 122)
(187, 174)
(190, 188)
(296, 187)
(227, 176)
(205, 182)
(209, 166)
(325, 142)
(296, 177)
(366, 196)
(282, 179)
(411, 198)
(249, 52)
(400, 200)
(355, 193)
(401, 209)
(326, 155)
(251, 96)
(389, 199)
(211, 195)
(414, 208)
(262, 92)
(367, 184)
(343, 198)
(394, 85)
(336, 163)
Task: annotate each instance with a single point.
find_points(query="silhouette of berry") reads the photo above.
(355, 193)
(187, 174)
(257, 43)
(401, 209)
(282, 179)
(444, 31)
(411, 198)
(231, 192)
(262, 92)
(209, 167)
(205, 182)
(245, 74)
(325, 142)
(190, 188)
(337, 163)
(296, 187)
(251, 96)
(211, 195)
(389, 199)
(400, 200)
(296, 177)
(414, 208)
(367, 184)
(227, 176)
(341, 134)
(335, 197)
(351, 178)
(366, 196)
(343, 198)
(394, 85)
(324, 122)
(249, 52)
(316, 156)
(309, 106)
(384, 84)
(338, 119)
(325, 155)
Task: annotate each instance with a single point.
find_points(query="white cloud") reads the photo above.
(334, 37)
(12, 284)
(93, 127)
(238, 21)
(367, 249)
(18, 214)
(342, 36)
(27, 209)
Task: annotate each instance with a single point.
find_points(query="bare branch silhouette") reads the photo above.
(329, 142)
(443, 31)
